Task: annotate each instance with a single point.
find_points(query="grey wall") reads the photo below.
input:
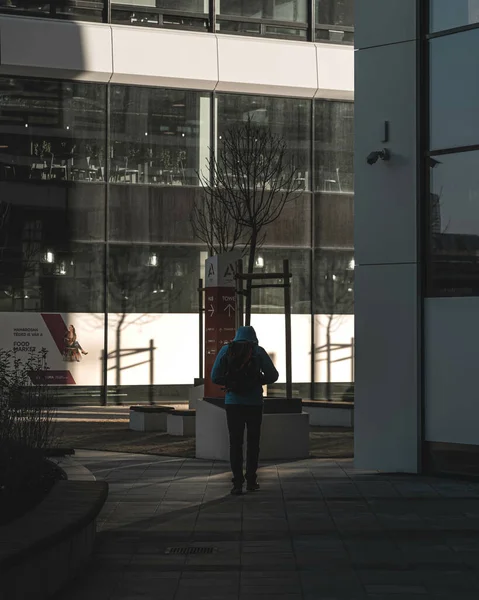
(386, 295)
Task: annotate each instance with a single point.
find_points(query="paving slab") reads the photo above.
(318, 529)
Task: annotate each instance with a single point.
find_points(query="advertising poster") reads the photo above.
(73, 343)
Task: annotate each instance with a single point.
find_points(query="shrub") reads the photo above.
(27, 430)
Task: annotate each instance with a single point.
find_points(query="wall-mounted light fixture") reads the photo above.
(383, 154)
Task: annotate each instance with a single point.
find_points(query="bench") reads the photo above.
(149, 418)
(181, 422)
(329, 414)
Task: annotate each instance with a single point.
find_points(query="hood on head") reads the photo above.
(246, 334)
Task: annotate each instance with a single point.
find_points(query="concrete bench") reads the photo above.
(284, 436)
(329, 414)
(149, 418)
(181, 422)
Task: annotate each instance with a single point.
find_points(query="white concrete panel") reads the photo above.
(180, 59)
(283, 436)
(249, 65)
(49, 48)
(385, 193)
(451, 367)
(386, 407)
(335, 66)
(320, 416)
(379, 22)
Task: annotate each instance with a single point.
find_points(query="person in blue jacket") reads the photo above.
(244, 408)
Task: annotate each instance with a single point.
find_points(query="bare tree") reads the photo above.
(250, 180)
(336, 299)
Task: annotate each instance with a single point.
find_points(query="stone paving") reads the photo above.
(317, 530)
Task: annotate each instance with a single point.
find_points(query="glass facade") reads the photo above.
(453, 230)
(95, 229)
(320, 20)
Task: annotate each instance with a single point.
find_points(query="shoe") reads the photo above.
(253, 486)
(85, 353)
(237, 491)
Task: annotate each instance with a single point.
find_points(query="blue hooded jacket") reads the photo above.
(270, 374)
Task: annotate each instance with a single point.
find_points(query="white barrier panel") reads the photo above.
(283, 436)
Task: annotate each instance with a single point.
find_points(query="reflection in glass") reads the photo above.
(334, 324)
(143, 213)
(334, 220)
(278, 10)
(335, 12)
(454, 225)
(288, 118)
(445, 14)
(52, 130)
(334, 146)
(153, 279)
(186, 6)
(39, 274)
(454, 61)
(271, 300)
(87, 10)
(65, 212)
(158, 136)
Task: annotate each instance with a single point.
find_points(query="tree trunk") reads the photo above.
(249, 283)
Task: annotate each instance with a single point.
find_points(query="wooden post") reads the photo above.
(103, 381)
(287, 316)
(239, 294)
(353, 359)
(201, 332)
(152, 372)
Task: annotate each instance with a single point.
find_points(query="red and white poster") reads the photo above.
(73, 344)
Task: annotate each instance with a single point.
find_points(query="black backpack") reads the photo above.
(243, 371)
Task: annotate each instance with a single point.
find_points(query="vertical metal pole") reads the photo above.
(106, 247)
(353, 358)
(311, 20)
(152, 371)
(239, 294)
(287, 316)
(212, 16)
(313, 275)
(200, 328)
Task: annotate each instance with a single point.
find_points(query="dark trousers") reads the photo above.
(240, 416)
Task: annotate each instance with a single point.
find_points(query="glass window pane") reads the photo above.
(159, 136)
(270, 260)
(186, 6)
(71, 211)
(454, 61)
(334, 220)
(41, 275)
(52, 130)
(447, 14)
(334, 146)
(293, 226)
(151, 214)
(335, 12)
(287, 118)
(454, 225)
(87, 10)
(153, 279)
(334, 324)
(279, 10)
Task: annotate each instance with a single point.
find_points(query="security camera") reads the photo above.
(373, 158)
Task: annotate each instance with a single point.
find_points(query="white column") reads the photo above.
(387, 402)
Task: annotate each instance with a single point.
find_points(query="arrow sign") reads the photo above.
(211, 310)
(229, 308)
